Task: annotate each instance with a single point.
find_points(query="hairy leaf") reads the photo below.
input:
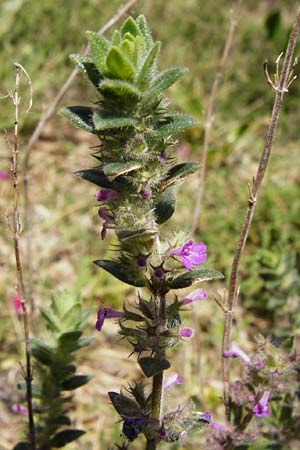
(148, 68)
(165, 206)
(87, 67)
(130, 26)
(179, 171)
(176, 124)
(153, 366)
(162, 82)
(120, 88)
(95, 176)
(190, 277)
(124, 405)
(109, 123)
(121, 272)
(75, 382)
(114, 170)
(80, 116)
(99, 47)
(64, 437)
(145, 30)
(118, 65)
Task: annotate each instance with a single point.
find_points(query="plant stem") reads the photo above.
(281, 86)
(49, 113)
(21, 288)
(210, 111)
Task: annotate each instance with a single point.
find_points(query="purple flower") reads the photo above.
(4, 175)
(173, 378)
(132, 426)
(108, 220)
(259, 365)
(106, 313)
(198, 294)
(159, 272)
(220, 427)
(107, 195)
(261, 408)
(206, 416)
(20, 409)
(141, 261)
(236, 352)
(186, 332)
(190, 253)
(146, 193)
(183, 435)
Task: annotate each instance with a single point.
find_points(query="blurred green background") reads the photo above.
(66, 231)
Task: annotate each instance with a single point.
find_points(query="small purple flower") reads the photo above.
(190, 253)
(173, 378)
(133, 426)
(261, 408)
(236, 352)
(159, 272)
(183, 435)
(108, 220)
(146, 193)
(206, 416)
(106, 313)
(20, 409)
(185, 332)
(141, 261)
(259, 365)
(4, 175)
(198, 294)
(107, 195)
(220, 427)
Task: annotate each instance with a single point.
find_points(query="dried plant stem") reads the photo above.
(281, 86)
(49, 113)
(210, 111)
(16, 228)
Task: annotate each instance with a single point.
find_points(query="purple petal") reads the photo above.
(198, 294)
(186, 332)
(174, 378)
(198, 247)
(20, 409)
(106, 313)
(197, 259)
(186, 262)
(107, 195)
(219, 427)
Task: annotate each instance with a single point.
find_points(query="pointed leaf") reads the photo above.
(60, 420)
(148, 68)
(178, 172)
(120, 88)
(165, 206)
(192, 277)
(130, 26)
(109, 123)
(99, 47)
(64, 437)
(153, 366)
(121, 272)
(22, 446)
(125, 406)
(145, 30)
(95, 176)
(51, 320)
(42, 352)
(114, 170)
(75, 382)
(116, 38)
(68, 341)
(87, 67)
(177, 124)
(71, 318)
(85, 341)
(162, 82)
(80, 116)
(118, 65)
(130, 315)
(132, 233)
(146, 308)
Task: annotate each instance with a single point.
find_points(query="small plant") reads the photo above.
(136, 172)
(55, 372)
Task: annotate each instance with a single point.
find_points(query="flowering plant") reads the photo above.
(136, 172)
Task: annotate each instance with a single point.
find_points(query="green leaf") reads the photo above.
(118, 65)
(125, 234)
(95, 176)
(22, 446)
(87, 67)
(165, 206)
(36, 389)
(72, 317)
(109, 123)
(85, 341)
(120, 88)
(130, 315)
(176, 124)
(130, 26)
(99, 47)
(178, 172)
(116, 38)
(80, 116)
(75, 382)
(51, 320)
(114, 170)
(153, 366)
(68, 341)
(120, 271)
(64, 437)
(42, 352)
(148, 68)
(146, 308)
(163, 81)
(60, 420)
(145, 30)
(125, 406)
(190, 277)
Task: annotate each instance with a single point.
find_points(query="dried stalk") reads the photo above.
(16, 228)
(210, 111)
(49, 113)
(283, 80)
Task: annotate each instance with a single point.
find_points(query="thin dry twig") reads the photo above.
(280, 84)
(210, 111)
(16, 230)
(49, 113)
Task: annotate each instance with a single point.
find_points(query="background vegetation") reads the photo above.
(66, 229)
